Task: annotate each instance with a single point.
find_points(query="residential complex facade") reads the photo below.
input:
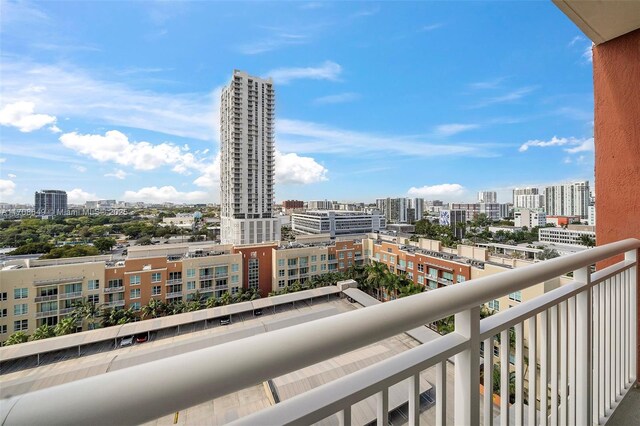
(571, 199)
(527, 198)
(50, 202)
(487, 197)
(529, 218)
(247, 162)
(564, 236)
(336, 223)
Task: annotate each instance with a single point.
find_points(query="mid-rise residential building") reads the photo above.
(337, 222)
(527, 198)
(417, 204)
(591, 220)
(473, 210)
(395, 210)
(490, 197)
(456, 219)
(50, 202)
(565, 236)
(247, 165)
(292, 204)
(529, 218)
(562, 220)
(321, 205)
(571, 199)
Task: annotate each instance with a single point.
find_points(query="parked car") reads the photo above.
(257, 312)
(141, 338)
(126, 341)
(226, 320)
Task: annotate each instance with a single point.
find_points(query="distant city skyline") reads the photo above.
(458, 99)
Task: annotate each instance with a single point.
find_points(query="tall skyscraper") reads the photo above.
(487, 197)
(418, 205)
(571, 199)
(50, 202)
(247, 161)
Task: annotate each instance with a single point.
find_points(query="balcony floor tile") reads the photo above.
(628, 412)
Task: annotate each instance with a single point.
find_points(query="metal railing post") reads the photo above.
(583, 391)
(632, 255)
(467, 369)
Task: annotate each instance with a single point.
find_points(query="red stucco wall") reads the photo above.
(616, 79)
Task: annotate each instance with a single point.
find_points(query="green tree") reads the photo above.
(587, 240)
(104, 244)
(32, 248)
(154, 309)
(43, 332)
(16, 338)
(65, 326)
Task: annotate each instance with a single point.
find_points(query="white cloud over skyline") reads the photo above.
(21, 115)
(327, 71)
(444, 191)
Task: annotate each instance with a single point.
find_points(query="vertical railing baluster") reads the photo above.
(554, 364)
(344, 417)
(633, 305)
(616, 348)
(488, 382)
(607, 344)
(414, 396)
(572, 359)
(583, 377)
(544, 377)
(519, 409)
(595, 345)
(564, 370)
(625, 330)
(441, 393)
(383, 408)
(467, 371)
(504, 377)
(603, 353)
(532, 371)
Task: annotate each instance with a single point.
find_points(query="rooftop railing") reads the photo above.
(583, 335)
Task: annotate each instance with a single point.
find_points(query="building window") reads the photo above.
(21, 325)
(420, 279)
(191, 285)
(323, 257)
(349, 254)
(378, 256)
(191, 273)
(341, 255)
(460, 278)
(20, 293)
(254, 273)
(341, 265)
(384, 258)
(448, 276)
(135, 306)
(94, 284)
(517, 296)
(281, 283)
(115, 283)
(409, 264)
(21, 309)
(3, 329)
(402, 263)
(494, 305)
(392, 260)
(323, 267)
(420, 267)
(134, 280)
(156, 277)
(134, 293)
(314, 268)
(433, 272)
(410, 275)
(433, 284)
(292, 262)
(221, 271)
(3, 313)
(235, 267)
(3, 296)
(314, 258)
(156, 290)
(281, 273)
(234, 279)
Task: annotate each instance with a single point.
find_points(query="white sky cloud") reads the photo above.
(511, 96)
(443, 190)
(118, 174)
(7, 187)
(116, 147)
(291, 168)
(327, 71)
(70, 91)
(153, 194)
(577, 144)
(340, 98)
(12, 176)
(21, 115)
(81, 169)
(78, 196)
(455, 128)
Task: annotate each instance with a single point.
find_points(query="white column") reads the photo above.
(467, 371)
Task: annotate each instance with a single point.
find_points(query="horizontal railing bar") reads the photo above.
(325, 400)
(162, 388)
(610, 271)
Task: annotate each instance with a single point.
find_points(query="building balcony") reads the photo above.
(206, 277)
(65, 311)
(584, 338)
(39, 299)
(74, 295)
(46, 314)
(113, 289)
(114, 304)
(174, 281)
(174, 294)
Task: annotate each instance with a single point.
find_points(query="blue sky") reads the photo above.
(119, 100)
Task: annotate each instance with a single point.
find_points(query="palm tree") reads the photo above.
(375, 273)
(390, 283)
(66, 325)
(16, 338)
(43, 332)
(226, 298)
(211, 302)
(154, 309)
(85, 310)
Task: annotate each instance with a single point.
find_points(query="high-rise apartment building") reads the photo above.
(50, 202)
(247, 165)
(527, 198)
(571, 199)
(487, 197)
(417, 204)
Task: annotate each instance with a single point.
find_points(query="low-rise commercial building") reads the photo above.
(337, 223)
(529, 218)
(566, 236)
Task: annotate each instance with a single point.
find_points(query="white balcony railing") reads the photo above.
(585, 344)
